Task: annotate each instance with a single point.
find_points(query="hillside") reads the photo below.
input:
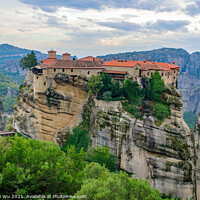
(9, 61)
(8, 92)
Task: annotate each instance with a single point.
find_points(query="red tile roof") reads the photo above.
(48, 61)
(52, 51)
(145, 65)
(91, 58)
(118, 63)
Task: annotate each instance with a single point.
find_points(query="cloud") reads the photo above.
(164, 25)
(55, 22)
(193, 9)
(52, 5)
(126, 26)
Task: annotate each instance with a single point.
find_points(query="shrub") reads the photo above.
(161, 111)
(102, 156)
(107, 96)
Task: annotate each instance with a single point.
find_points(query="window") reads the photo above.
(88, 72)
(63, 70)
(151, 73)
(37, 77)
(148, 74)
(72, 70)
(174, 72)
(46, 76)
(54, 70)
(162, 74)
(44, 83)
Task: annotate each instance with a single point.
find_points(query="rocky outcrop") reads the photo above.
(45, 115)
(162, 154)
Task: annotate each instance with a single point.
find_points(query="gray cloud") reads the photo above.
(193, 9)
(55, 22)
(164, 25)
(52, 5)
(126, 26)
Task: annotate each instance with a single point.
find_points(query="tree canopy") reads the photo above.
(29, 61)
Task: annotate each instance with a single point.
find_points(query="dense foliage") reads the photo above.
(190, 119)
(102, 156)
(8, 102)
(29, 167)
(29, 61)
(107, 89)
(79, 138)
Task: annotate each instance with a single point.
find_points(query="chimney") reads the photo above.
(173, 63)
(154, 61)
(133, 59)
(105, 59)
(115, 58)
(148, 60)
(51, 54)
(125, 60)
(66, 56)
(144, 61)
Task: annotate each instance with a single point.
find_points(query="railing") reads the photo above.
(7, 134)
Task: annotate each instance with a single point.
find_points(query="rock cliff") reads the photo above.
(164, 154)
(50, 114)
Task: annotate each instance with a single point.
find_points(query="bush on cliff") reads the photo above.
(102, 156)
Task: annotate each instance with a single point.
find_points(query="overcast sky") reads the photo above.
(99, 27)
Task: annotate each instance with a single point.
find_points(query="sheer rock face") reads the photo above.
(50, 114)
(197, 145)
(164, 155)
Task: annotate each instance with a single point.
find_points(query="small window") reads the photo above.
(46, 76)
(174, 77)
(54, 70)
(88, 72)
(72, 70)
(63, 70)
(148, 74)
(44, 83)
(151, 73)
(37, 77)
(174, 72)
(162, 74)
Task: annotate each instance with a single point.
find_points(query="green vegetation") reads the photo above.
(108, 90)
(8, 102)
(79, 138)
(95, 84)
(29, 167)
(161, 111)
(29, 61)
(190, 119)
(103, 157)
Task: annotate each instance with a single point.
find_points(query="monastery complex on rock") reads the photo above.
(45, 72)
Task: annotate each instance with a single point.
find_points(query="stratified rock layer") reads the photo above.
(45, 115)
(164, 155)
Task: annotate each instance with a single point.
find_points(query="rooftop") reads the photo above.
(145, 65)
